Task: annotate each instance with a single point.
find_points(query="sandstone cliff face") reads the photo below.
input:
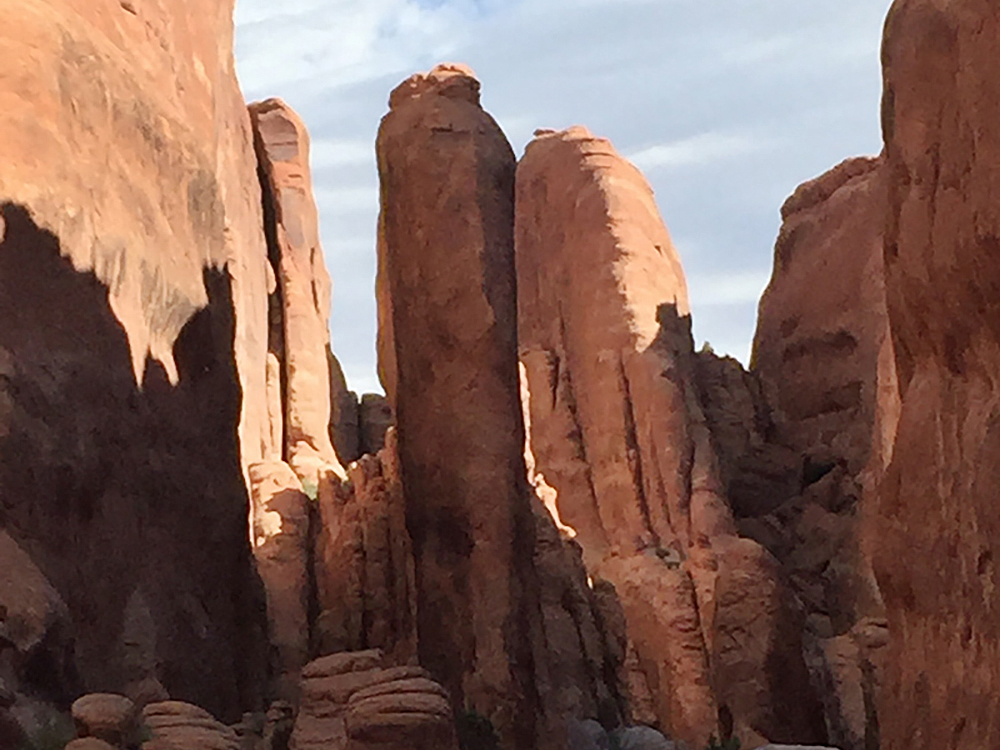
(133, 319)
(619, 434)
(301, 298)
(935, 540)
(447, 175)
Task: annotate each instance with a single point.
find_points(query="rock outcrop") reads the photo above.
(804, 441)
(934, 539)
(447, 186)
(330, 718)
(174, 725)
(364, 562)
(619, 434)
(282, 544)
(302, 294)
(107, 717)
(132, 288)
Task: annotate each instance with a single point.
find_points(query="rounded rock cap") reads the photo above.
(89, 743)
(107, 716)
(450, 80)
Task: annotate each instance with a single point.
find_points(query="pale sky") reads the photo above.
(726, 106)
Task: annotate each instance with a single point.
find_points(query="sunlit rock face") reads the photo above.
(619, 434)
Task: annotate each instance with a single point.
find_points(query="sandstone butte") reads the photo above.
(207, 540)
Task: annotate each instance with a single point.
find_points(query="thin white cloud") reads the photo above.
(726, 105)
(738, 288)
(330, 152)
(697, 150)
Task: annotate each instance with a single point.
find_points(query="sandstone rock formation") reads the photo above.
(400, 713)
(934, 539)
(182, 726)
(804, 432)
(447, 176)
(303, 286)
(107, 717)
(132, 280)
(327, 719)
(345, 417)
(357, 427)
(282, 544)
(364, 562)
(619, 434)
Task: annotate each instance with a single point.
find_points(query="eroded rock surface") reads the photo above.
(282, 546)
(806, 477)
(303, 286)
(174, 725)
(132, 281)
(364, 561)
(935, 540)
(326, 721)
(618, 432)
(447, 177)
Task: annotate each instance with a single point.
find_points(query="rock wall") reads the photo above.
(820, 355)
(133, 319)
(618, 433)
(935, 538)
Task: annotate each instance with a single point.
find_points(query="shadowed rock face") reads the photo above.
(936, 540)
(822, 355)
(619, 435)
(132, 295)
(447, 177)
(120, 492)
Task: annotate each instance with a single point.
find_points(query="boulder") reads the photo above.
(106, 716)
(174, 725)
(407, 714)
(90, 743)
(327, 686)
(641, 738)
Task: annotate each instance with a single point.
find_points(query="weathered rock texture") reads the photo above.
(447, 176)
(364, 563)
(132, 280)
(174, 725)
(345, 417)
(618, 433)
(282, 545)
(330, 718)
(820, 356)
(302, 294)
(935, 541)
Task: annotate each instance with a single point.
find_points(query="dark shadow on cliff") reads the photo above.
(130, 499)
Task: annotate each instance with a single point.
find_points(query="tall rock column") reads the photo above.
(303, 286)
(936, 541)
(618, 433)
(447, 176)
